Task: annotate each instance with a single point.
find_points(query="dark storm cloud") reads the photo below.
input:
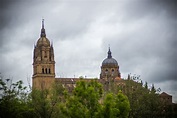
(5, 5)
(16, 35)
(10, 20)
(169, 6)
(138, 9)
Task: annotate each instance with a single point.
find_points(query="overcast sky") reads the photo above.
(142, 35)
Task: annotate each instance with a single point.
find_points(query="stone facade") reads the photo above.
(43, 62)
(166, 98)
(44, 67)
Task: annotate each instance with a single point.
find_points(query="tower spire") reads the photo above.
(43, 30)
(43, 23)
(109, 53)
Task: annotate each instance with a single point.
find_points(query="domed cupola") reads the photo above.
(109, 67)
(109, 61)
(43, 41)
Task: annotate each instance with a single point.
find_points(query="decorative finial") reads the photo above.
(109, 53)
(109, 47)
(42, 23)
(43, 30)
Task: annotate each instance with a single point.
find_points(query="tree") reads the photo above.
(86, 96)
(115, 106)
(14, 100)
(153, 90)
(88, 101)
(144, 102)
(146, 85)
(45, 101)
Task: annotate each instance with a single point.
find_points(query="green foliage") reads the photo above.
(146, 85)
(143, 102)
(14, 100)
(115, 106)
(74, 108)
(46, 102)
(123, 104)
(41, 104)
(86, 96)
(87, 100)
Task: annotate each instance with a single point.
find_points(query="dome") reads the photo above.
(109, 60)
(43, 41)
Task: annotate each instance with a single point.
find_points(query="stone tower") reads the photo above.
(43, 62)
(109, 68)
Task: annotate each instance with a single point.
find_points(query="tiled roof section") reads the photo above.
(71, 80)
(164, 94)
(74, 80)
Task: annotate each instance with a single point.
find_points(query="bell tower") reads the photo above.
(43, 62)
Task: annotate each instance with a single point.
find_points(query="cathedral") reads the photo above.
(44, 66)
(44, 69)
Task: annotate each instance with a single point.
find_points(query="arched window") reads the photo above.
(42, 70)
(46, 70)
(49, 70)
(112, 70)
(106, 71)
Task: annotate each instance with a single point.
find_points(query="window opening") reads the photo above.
(49, 70)
(43, 70)
(46, 70)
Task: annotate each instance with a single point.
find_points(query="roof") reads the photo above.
(43, 41)
(71, 80)
(109, 60)
(74, 80)
(164, 94)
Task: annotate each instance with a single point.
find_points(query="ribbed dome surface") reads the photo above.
(110, 61)
(43, 41)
